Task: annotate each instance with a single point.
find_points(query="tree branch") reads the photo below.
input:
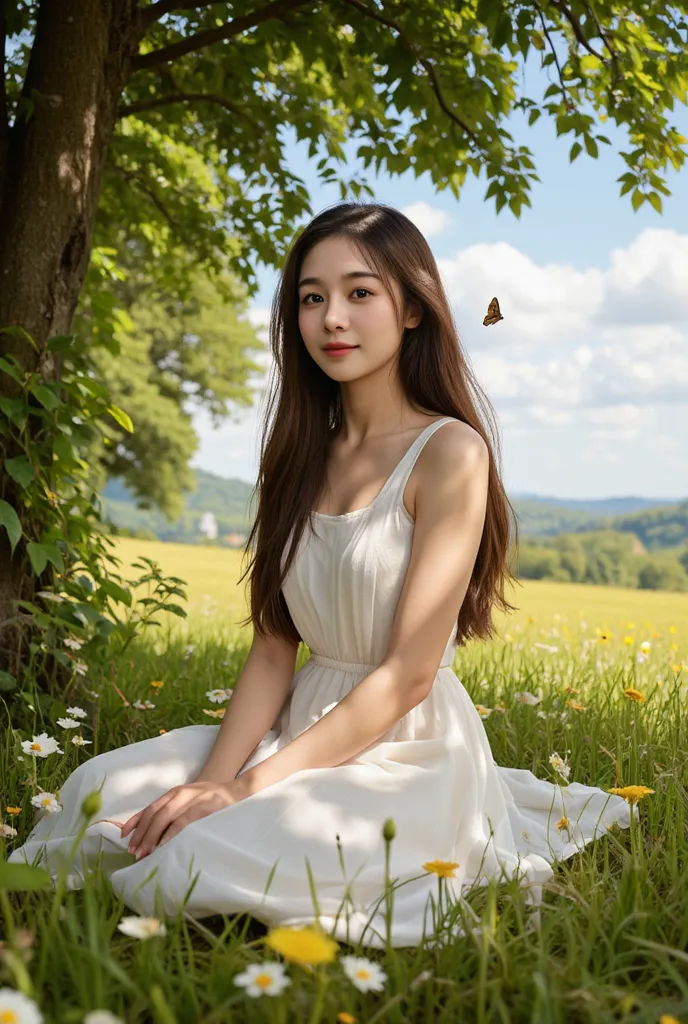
(580, 35)
(576, 26)
(184, 97)
(157, 202)
(275, 9)
(423, 61)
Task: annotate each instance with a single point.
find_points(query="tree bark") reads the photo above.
(49, 191)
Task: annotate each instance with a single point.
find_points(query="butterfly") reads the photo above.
(493, 314)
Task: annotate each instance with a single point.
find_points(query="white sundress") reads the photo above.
(433, 773)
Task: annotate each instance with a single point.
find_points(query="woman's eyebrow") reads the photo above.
(345, 277)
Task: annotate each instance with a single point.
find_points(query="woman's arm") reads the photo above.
(450, 515)
(257, 699)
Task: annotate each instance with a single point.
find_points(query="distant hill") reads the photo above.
(544, 516)
(658, 522)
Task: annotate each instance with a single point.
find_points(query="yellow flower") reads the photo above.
(307, 945)
(575, 705)
(441, 868)
(158, 684)
(346, 1018)
(604, 635)
(563, 823)
(635, 695)
(508, 639)
(13, 810)
(630, 625)
(571, 689)
(668, 1018)
(162, 731)
(629, 641)
(631, 794)
(672, 629)
(675, 668)
(530, 620)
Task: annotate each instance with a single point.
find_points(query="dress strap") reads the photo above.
(403, 471)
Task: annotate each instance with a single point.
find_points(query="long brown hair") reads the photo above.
(435, 377)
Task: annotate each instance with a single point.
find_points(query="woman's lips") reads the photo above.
(340, 351)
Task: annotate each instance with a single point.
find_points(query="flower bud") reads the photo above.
(389, 830)
(92, 804)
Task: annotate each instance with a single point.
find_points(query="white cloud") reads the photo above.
(431, 220)
(557, 304)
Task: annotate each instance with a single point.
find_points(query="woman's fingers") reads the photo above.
(131, 823)
(160, 821)
(147, 815)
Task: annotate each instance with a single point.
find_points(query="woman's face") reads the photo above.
(341, 298)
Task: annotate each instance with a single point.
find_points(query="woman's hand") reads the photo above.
(166, 816)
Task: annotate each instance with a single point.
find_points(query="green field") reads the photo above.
(608, 944)
(216, 597)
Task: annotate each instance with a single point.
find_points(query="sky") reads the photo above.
(588, 371)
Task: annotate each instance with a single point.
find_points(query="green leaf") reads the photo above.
(60, 342)
(21, 470)
(637, 199)
(19, 877)
(54, 555)
(12, 368)
(16, 409)
(10, 520)
(575, 151)
(38, 556)
(656, 201)
(45, 395)
(121, 417)
(7, 682)
(591, 146)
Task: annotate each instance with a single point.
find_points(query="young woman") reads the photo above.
(380, 540)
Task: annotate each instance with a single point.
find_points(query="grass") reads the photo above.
(613, 927)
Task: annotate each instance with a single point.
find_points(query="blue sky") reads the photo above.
(588, 372)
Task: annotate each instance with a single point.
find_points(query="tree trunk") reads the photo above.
(49, 193)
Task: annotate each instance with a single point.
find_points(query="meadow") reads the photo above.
(603, 678)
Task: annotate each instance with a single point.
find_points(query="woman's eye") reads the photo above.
(314, 295)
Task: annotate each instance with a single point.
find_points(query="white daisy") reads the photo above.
(526, 698)
(77, 712)
(7, 831)
(483, 711)
(41, 746)
(79, 741)
(217, 696)
(268, 979)
(15, 1006)
(560, 765)
(141, 927)
(80, 668)
(366, 975)
(46, 802)
(73, 643)
(69, 723)
(641, 657)
(143, 705)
